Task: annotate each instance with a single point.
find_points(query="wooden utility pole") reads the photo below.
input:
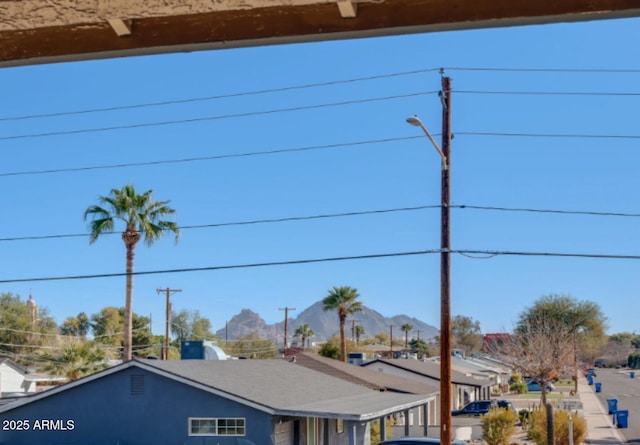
(445, 271)
(390, 341)
(168, 292)
(286, 322)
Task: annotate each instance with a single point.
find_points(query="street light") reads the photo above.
(445, 282)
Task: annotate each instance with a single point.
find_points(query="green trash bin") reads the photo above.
(622, 418)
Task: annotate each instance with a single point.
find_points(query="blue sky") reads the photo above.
(588, 174)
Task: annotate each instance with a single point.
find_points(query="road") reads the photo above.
(617, 384)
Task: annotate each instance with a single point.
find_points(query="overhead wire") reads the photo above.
(349, 214)
(217, 117)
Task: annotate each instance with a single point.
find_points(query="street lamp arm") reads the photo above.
(417, 122)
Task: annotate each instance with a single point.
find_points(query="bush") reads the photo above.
(518, 387)
(498, 426)
(538, 428)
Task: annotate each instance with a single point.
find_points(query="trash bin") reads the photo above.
(612, 404)
(590, 380)
(598, 387)
(632, 374)
(622, 418)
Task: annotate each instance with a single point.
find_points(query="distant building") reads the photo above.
(494, 342)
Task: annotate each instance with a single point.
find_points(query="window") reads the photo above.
(206, 426)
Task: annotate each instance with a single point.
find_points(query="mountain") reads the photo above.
(325, 324)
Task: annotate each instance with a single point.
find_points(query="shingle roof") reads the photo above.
(363, 376)
(431, 370)
(273, 386)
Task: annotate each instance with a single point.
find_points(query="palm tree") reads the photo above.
(344, 300)
(406, 327)
(141, 215)
(75, 360)
(304, 332)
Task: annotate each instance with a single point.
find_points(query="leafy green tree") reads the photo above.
(330, 349)
(344, 300)
(190, 325)
(107, 329)
(466, 334)
(419, 347)
(252, 346)
(142, 215)
(19, 333)
(406, 328)
(584, 321)
(359, 332)
(75, 360)
(305, 332)
(77, 326)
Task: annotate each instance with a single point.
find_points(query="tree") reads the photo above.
(343, 300)
(304, 332)
(582, 319)
(419, 347)
(190, 325)
(77, 326)
(20, 334)
(406, 327)
(252, 346)
(142, 215)
(466, 333)
(75, 360)
(540, 348)
(359, 332)
(107, 329)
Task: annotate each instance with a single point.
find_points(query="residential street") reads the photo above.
(617, 384)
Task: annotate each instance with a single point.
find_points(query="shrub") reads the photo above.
(498, 425)
(538, 427)
(518, 387)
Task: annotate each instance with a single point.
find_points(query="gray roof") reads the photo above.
(430, 370)
(363, 376)
(274, 386)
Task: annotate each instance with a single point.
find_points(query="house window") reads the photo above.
(209, 426)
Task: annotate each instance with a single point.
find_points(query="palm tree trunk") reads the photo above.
(343, 344)
(130, 238)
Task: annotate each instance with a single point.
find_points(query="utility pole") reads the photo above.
(445, 270)
(418, 331)
(390, 341)
(445, 253)
(168, 292)
(286, 322)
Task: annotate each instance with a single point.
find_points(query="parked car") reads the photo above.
(480, 407)
(418, 441)
(533, 386)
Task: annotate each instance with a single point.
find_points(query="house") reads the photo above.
(239, 402)
(16, 380)
(419, 418)
(464, 388)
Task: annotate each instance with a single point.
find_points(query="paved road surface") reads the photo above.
(616, 384)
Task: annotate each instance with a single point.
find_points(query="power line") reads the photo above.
(307, 86)
(490, 253)
(224, 267)
(548, 70)
(240, 223)
(548, 93)
(561, 212)
(348, 214)
(210, 158)
(217, 97)
(549, 135)
(218, 117)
